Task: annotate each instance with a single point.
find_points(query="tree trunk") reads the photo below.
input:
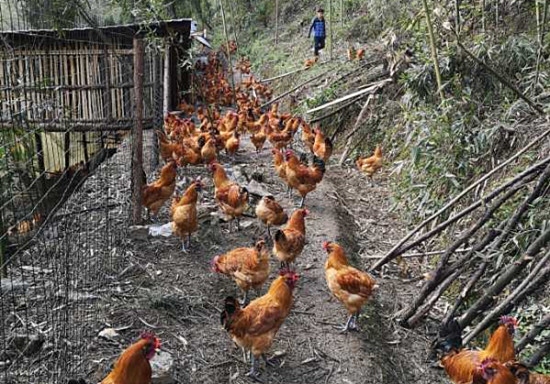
(137, 132)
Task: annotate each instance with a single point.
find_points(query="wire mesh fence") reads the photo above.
(67, 107)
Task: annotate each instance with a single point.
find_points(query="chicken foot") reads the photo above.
(186, 245)
(302, 202)
(351, 324)
(255, 369)
(269, 362)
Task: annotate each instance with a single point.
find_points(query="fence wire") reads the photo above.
(67, 105)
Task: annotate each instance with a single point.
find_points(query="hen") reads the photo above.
(289, 242)
(254, 327)
(270, 212)
(133, 364)
(370, 165)
(184, 214)
(460, 364)
(322, 147)
(232, 199)
(349, 285)
(154, 195)
(301, 177)
(524, 376)
(249, 267)
(491, 371)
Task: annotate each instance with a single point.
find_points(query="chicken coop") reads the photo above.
(77, 108)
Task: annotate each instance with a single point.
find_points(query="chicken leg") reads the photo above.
(184, 249)
(254, 370)
(302, 202)
(351, 324)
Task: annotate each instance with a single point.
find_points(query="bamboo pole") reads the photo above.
(228, 50)
(356, 127)
(331, 27)
(395, 251)
(276, 23)
(433, 49)
(166, 107)
(541, 40)
(137, 132)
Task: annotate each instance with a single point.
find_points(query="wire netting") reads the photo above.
(67, 107)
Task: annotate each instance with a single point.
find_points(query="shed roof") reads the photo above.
(121, 33)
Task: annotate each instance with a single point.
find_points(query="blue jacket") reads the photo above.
(318, 27)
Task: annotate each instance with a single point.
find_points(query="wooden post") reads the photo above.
(330, 26)
(137, 132)
(67, 150)
(167, 79)
(158, 109)
(106, 93)
(39, 153)
(276, 22)
(228, 51)
(85, 147)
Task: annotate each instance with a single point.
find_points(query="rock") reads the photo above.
(28, 344)
(109, 334)
(256, 188)
(162, 366)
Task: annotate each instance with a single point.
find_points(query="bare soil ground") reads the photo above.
(178, 296)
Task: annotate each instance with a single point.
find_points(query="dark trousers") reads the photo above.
(319, 44)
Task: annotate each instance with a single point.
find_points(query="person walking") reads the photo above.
(319, 31)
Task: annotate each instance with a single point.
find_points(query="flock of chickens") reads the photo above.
(254, 324)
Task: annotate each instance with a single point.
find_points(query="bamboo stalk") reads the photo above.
(331, 28)
(433, 49)
(228, 50)
(541, 41)
(394, 252)
(339, 109)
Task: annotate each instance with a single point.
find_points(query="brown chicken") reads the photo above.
(279, 163)
(370, 165)
(254, 327)
(133, 364)
(270, 212)
(349, 285)
(279, 138)
(302, 178)
(460, 364)
(208, 149)
(184, 214)
(360, 54)
(308, 136)
(311, 62)
(232, 143)
(232, 199)
(258, 139)
(524, 376)
(289, 242)
(249, 267)
(168, 148)
(351, 53)
(491, 371)
(154, 195)
(322, 147)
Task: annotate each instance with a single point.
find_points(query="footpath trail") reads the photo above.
(178, 296)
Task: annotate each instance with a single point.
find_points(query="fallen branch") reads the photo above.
(543, 351)
(293, 89)
(291, 73)
(534, 332)
(356, 127)
(321, 118)
(513, 298)
(508, 275)
(373, 62)
(419, 254)
(397, 249)
(372, 88)
(443, 271)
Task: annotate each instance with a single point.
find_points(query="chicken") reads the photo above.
(349, 285)
(491, 371)
(232, 143)
(308, 136)
(279, 139)
(311, 62)
(521, 372)
(289, 242)
(254, 327)
(301, 177)
(360, 54)
(232, 199)
(460, 364)
(167, 147)
(184, 214)
(322, 147)
(133, 364)
(186, 155)
(279, 163)
(270, 212)
(154, 195)
(208, 149)
(249, 267)
(370, 165)
(258, 139)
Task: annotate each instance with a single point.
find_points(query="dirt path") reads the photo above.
(179, 295)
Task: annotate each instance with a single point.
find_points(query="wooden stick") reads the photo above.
(137, 132)
(433, 50)
(321, 118)
(356, 127)
(540, 354)
(497, 287)
(513, 298)
(502, 79)
(291, 72)
(394, 251)
(371, 88)
(293, 89)
(529, 337)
